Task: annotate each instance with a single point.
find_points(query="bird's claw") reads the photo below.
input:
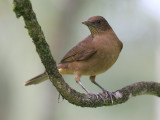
(110, 95)
(96, 94)
(106, 93)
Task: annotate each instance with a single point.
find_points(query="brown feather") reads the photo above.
(80, 52)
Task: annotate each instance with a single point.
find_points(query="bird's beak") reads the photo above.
(87, 23)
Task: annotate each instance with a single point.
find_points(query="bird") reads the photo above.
(92, 56)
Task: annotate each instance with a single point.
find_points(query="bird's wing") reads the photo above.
(80, 52)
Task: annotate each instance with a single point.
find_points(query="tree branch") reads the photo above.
(24, 8)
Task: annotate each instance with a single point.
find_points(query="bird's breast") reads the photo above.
(107, 54)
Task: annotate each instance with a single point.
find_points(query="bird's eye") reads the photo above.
(98, 21)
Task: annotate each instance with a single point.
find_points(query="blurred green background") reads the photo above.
(136, 23)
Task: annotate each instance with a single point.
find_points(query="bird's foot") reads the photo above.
(96, 94)
(110, 95)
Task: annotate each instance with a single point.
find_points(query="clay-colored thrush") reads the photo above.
(92, 56)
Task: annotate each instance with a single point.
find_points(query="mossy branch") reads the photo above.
(24, 8)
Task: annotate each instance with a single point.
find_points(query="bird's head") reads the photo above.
(97, 25)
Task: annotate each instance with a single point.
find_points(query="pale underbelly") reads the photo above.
(90, 67)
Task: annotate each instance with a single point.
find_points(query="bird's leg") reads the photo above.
(79, 82)
(92, 78)
(77, 79)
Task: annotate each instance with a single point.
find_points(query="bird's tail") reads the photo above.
(38, 79)
(43, 77)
